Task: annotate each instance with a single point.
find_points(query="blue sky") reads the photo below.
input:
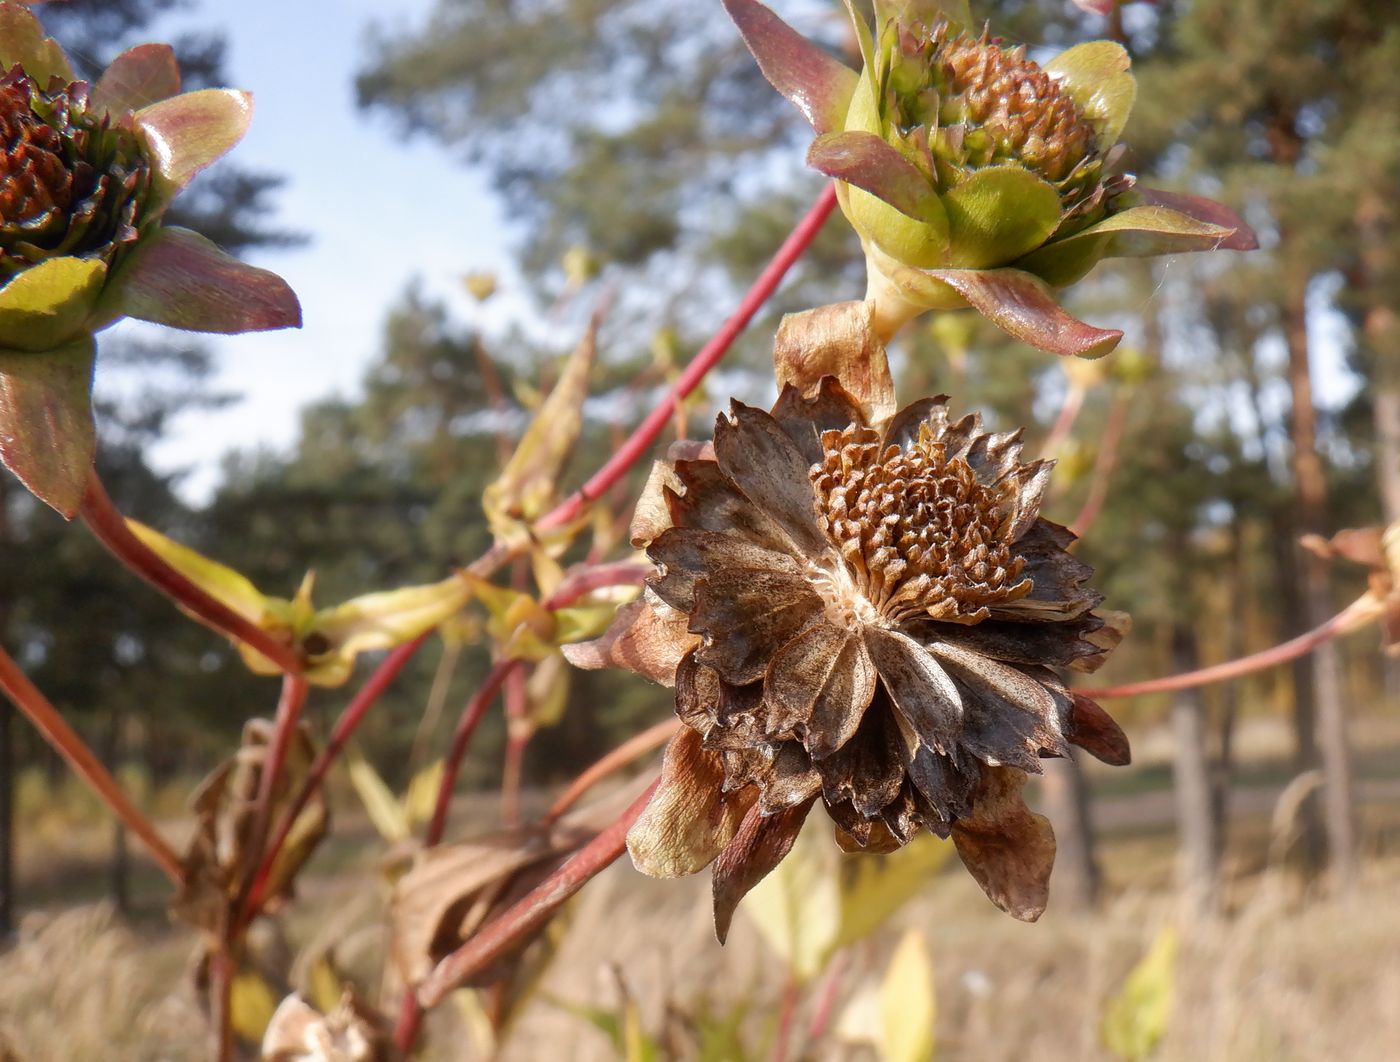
(299, 61)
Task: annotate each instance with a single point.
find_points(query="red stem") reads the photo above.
(787, 1016)
(66, 742)
(532, 911)
(709, 355)
(629, 750)
(827, 997)
(109, 527)
(1103, 465)
(467, 723)
(1341, 623)
(1064, 423)
(517, 740)
(289, 708)
(354, 713)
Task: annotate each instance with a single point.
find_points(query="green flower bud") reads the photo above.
(974, 176)
(71, 183)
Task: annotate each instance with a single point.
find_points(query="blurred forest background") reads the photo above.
(1256, 399)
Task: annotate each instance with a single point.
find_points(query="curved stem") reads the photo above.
(467, 723)
(1103, 465)
(289, 708)
(109, 527)
(354, 713)
(1341, 623)
(525, 917)
(1064, 423)
(637, 745)
(709, 355)
(64, 740)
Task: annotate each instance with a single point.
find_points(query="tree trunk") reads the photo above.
(1310, 492)
(7, 821)
(1199, 873)
(1077, 878)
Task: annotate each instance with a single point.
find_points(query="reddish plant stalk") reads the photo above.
(637, 745)
(289, 707)
(467, 723)
(64, 740)
(518, 734)
(1103, 465)
(525, 917)
(358, 708)
(109, 527)
(787, 1018)
(221, 1003)
(709, 355)
(827, 997)
(1064, 423)
(1341, 623)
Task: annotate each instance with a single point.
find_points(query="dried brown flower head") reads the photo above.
(873, 615)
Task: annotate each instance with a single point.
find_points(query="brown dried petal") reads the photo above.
(1054, 644)
(1057, 578)
(759, 458)
(1105, 638)
(725, 716)
(646, 636)
(868, 770)
(690, 818)
(713, 503)
(874, 839)
(805, 417)
(921, 690)
(1096, 732)
(688, 553)
(652, 515)
(982, 674)
(824, 680)
(352, 1032)
(836, 340)
(1009, 849)
(903, 428)
(747, 615)
(760, 845)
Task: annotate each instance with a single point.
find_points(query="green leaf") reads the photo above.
(50, 303)
(22, 41)
(138, 77)
(382, 807)
(47, 436)
(997, 215)
(814, 81)
(1025, 307)
(177, 278)
(908, 1005)
(866, 161)
(188, 132)
(797, 907)
(217, 580)
(1096, 76)
(874, 888)
(1136, 1019)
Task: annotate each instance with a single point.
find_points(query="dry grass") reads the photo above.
(1285, 975)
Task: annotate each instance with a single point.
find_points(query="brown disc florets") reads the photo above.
(919, 534)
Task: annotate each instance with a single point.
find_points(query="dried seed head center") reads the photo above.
(917, 533)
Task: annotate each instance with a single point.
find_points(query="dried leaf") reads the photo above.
(1009, 849)
(529, 482)
(351, 1032)
(836, 340)
(647, 636)
(758, 847)
(690, 819)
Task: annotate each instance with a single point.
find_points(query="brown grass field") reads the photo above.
(1288, 973)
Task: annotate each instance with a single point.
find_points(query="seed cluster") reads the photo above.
(919, 533)
(71, 182)
(33, 177)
